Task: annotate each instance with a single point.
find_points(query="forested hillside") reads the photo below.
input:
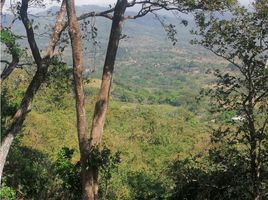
(186, 110)
(149, 68)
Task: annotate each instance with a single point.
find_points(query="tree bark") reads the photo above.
(101, 105)
(57, 31)
(38, 79)
(5, 146)
(75, 36)
(2, 5)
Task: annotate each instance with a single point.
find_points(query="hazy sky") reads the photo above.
(107, 2)
(99, 2)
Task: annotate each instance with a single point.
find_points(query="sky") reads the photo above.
(107, 2)
(104, 3)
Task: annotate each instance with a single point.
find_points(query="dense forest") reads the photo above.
(141, 99)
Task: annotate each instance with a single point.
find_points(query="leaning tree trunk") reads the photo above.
(101, 105)
(38, 79)
(75, 36)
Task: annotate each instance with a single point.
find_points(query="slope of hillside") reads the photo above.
(149, 69)
(149, 138)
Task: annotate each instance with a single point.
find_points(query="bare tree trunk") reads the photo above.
(38, 79)
(2, 5)
(57, 30)
(101, 105)
(5, 146)
(1, 13)
(83, 140)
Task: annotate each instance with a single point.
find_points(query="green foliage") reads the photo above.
(209, 178)
(30, 174)
(141, 132)
(57, 87)
(10, 101)
(59, 77)
(108, 165)
(8, 37)
(208, 6)
(10, 40)
(226, 116)
(235, 166)
(26, 172)
(145, 186)
(149, 136)
(7, 193)
(68, 172)
(102, 158)
(11, 95)
(236, 38)
(8, 109)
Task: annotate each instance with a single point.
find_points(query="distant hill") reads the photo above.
(149, 69)
(139, 29)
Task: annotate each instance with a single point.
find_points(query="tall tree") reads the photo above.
(243, 41)
(39, 77)
(238, 156)
(107, 75)
(83, 140)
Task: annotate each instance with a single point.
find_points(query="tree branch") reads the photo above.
(57, 30)
(10, 67)
(5, 61)
(30, 33)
